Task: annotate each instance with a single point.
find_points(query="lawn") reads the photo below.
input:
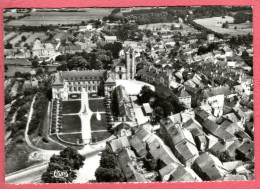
(98, 124)
(72, 138)
(215, 24)
(69, 107)
(99, 136)
(18, 158)
(71, 123)
(97, 105)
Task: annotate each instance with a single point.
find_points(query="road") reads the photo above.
(33, 174)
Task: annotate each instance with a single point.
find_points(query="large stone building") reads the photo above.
(126, 68)
(153, 75)
(42, 50)
(97, 82)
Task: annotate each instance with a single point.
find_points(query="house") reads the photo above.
(183, 96)
(246, 151)
(42, 50)
(209, 167)
(129, 166)
(124, 105)
(110, 39)
(88, 27)
(123, 129)
(147, 109)
(155, 147)
(180, 141)
(138, 146)
(184, 174)
(166, 171)
(70, 48)
(210, 37)
(118, 144)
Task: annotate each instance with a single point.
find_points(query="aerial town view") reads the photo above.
(137, 94)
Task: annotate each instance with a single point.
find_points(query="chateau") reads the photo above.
(97, 82)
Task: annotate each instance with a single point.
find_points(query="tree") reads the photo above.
(145, 94)
(6, 68)
(109, 171)
(8, 46)
(62, 168)
(109, 175)
(245, 55)
(39, 71)
(23, 38)
(242, 17)
(17, 74)
(35, 63)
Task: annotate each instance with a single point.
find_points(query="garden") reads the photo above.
(70, 123)
(98, 124)
(97, 105)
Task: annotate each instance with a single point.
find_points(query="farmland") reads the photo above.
(55, 18)
(9, 36)
(31, 38)
(18, 38)
(215, 24)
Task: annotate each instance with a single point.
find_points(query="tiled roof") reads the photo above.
(85, 74)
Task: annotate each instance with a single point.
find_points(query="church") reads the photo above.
(126, 67)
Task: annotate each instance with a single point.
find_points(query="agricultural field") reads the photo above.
(215, 24)
(13, 14)
(55, 18)
(13, 68)
(41, 35)
(8, 36)
(18, 38)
